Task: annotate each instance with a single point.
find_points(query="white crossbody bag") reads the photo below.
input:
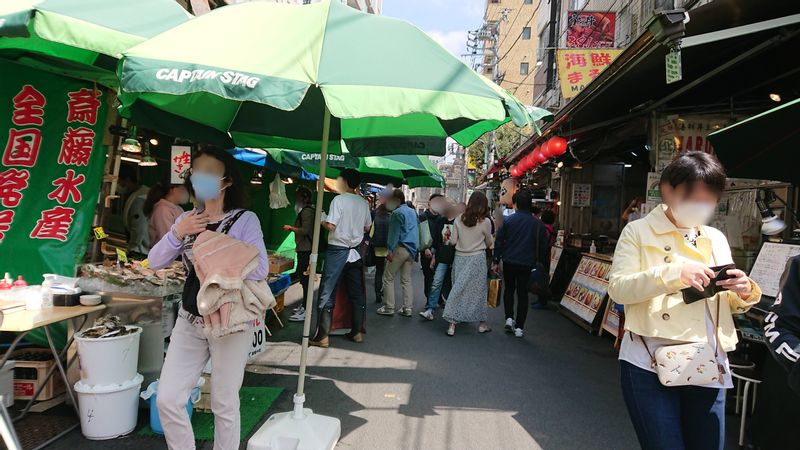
(692, 364)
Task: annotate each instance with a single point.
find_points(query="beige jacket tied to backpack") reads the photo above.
(228, 302)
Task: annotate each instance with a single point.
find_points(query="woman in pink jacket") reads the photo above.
(216, 183)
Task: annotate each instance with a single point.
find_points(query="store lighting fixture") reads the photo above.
(129, 159)
(131, 144)
(577, 165)
(558, 203)
(153, 141)
(560, 164)
(771, 225)
(539, 63)
(288, 180)
(775, 97)
(258, 178)
(628, 166)
(147, 158)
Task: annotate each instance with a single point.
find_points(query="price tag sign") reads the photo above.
(121, 255)
(259, 342)
(99, 233)
(673, 66)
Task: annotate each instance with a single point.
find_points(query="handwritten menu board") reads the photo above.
(587, 290)
(770, 265)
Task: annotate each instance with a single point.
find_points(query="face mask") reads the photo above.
(693, 214)
(206, 186)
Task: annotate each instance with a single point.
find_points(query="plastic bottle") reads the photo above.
(8, 280)
(47, 292)
(592, 248)
(20, 282)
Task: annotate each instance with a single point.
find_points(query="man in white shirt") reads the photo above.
(349, 218)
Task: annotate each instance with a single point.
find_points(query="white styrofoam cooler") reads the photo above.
(109, 411)
(110, 360)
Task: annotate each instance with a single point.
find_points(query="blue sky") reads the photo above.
(447, 21)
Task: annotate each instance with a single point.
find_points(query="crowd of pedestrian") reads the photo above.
(459, 246)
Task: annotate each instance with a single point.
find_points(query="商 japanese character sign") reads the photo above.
(578, 67)
(51, 169)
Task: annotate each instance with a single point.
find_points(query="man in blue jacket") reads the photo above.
(402, 243)
(521, 243)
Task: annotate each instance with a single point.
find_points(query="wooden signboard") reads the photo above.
(584, 299)
(611, 319)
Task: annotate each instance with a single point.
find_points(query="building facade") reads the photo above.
(509, 45)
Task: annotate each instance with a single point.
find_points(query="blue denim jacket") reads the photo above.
(404, 230)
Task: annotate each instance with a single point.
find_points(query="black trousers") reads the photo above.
(516, 278)
(380, 266)
(301, 274)
(427, 274)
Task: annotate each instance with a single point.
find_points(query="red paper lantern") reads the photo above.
(524, 164)
(545, 150)
(538, 157)
(557, 145)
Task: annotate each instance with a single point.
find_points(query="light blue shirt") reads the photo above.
(404, 230)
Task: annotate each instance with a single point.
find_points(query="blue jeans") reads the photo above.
(673, 418)
(336, 268)
(442, 269)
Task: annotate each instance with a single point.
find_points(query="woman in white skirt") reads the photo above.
(472, 235)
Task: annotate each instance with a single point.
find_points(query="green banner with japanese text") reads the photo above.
(51, 132)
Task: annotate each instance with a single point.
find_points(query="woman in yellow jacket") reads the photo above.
(669, 250)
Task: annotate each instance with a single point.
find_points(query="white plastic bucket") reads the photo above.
(109, 411)
(110, 360)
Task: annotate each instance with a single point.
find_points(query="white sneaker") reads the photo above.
(427, 314)
(509, 325)
(518, 332)
(299, 316)
(299, 309)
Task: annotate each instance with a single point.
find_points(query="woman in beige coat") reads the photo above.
(669, 250)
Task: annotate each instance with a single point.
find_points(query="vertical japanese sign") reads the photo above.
(52, 165)
(180, 160)
(577, 68)
(591, 29)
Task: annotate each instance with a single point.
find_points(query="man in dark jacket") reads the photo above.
(432, 215)
(521, 243)
(782, 324)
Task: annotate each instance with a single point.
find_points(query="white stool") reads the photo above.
(748, 381)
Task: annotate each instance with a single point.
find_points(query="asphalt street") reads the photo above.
(410, 386)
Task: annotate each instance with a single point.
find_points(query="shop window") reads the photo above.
(526, 33)
(523, 68)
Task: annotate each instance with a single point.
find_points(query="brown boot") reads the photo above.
(357, 337)
(320, 339)
(322, 343)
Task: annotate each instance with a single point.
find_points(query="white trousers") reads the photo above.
(188, 352)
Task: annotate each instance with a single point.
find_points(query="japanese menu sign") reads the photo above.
(591, 29)
(578, 67)
(587, 289)
(51, 171)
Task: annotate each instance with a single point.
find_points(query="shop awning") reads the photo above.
(763, 146)
(733, 50)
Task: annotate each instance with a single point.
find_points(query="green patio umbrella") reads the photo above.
(81, 38)
(412, 170)
(270, 75)
(754, 148)
(231, 76)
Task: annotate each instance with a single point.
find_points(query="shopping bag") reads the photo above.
(493, 297)
(425, 238)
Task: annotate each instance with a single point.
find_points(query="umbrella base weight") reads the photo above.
(283, 431)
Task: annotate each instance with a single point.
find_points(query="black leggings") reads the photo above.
(516, 279)
(302, 265)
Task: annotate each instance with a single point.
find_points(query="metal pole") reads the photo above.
(299, 397)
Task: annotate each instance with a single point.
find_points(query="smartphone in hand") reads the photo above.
(691, 295)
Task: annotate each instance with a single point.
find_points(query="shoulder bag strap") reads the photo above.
(229, 223)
